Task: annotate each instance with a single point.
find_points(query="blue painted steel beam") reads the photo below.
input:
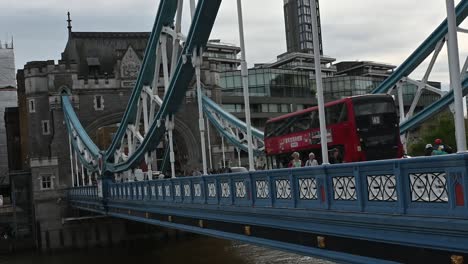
(73, 120)
(228, 135)
(83, 161)
(164, 17)
(166, 159)
(209, 104)
(199, 32)
(423, 51)
(431, 110)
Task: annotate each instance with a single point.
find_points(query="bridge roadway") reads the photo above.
(406, 210)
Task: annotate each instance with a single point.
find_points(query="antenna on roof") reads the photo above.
(69, 23)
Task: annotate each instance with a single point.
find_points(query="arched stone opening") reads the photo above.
(186, 145)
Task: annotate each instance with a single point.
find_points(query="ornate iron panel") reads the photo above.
(187, 190)
(197, 189)
(168, 190)
(428, 187)
(160, 192)
(211, 189)
(225, 190)
(177, 190)
(283, 189)
(344, 188)
(308, 189)
(240, 189)
(263, 191)
(381, 188)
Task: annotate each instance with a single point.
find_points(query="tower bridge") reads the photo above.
(153, 96)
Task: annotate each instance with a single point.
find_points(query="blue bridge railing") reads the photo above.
(432, 186)
(404, 204)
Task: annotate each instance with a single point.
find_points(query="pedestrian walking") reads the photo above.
(311, 161)
(296, 162)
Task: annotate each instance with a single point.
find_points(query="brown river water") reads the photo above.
(198, 249)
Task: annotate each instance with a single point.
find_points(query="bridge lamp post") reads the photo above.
(245, 85)
(455, 81)
(318, 81)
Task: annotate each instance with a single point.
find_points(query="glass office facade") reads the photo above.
(296, 84)
(344, 86)
(269, 82)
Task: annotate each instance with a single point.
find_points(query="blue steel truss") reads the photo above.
(414, 60)
(213, 110)
(203, 21)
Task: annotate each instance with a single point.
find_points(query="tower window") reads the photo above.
(98, 103)
(32, 105)
(46, 181)
(45, 127)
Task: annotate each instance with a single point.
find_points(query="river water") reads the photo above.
(198, 249)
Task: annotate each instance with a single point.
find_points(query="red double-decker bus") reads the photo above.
(360, 128)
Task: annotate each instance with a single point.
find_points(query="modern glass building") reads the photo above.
(297, 19)
(269, 82)
(344, 86)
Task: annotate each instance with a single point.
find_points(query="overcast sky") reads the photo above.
(377, 30)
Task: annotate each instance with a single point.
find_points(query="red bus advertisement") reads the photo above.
(359, 128)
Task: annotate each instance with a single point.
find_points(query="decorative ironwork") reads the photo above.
(263, 191)
(211, 189)
(283, 189)
(381, 188)
(160, 192)
(240, 189)
(153, 191)
(177, 190)
(344, 188)
(168, 190)
(308, 189)
(139, 191)
(187, 190)
(197, 189)
(145, 190)
(429, 187)
(225, 190)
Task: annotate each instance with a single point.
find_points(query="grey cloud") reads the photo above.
(386, 31)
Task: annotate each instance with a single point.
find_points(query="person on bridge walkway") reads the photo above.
(428, 150)
(336, 156)
(296, 162)
(440, 148)
(311, 161)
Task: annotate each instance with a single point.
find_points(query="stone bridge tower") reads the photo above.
(98, 69)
